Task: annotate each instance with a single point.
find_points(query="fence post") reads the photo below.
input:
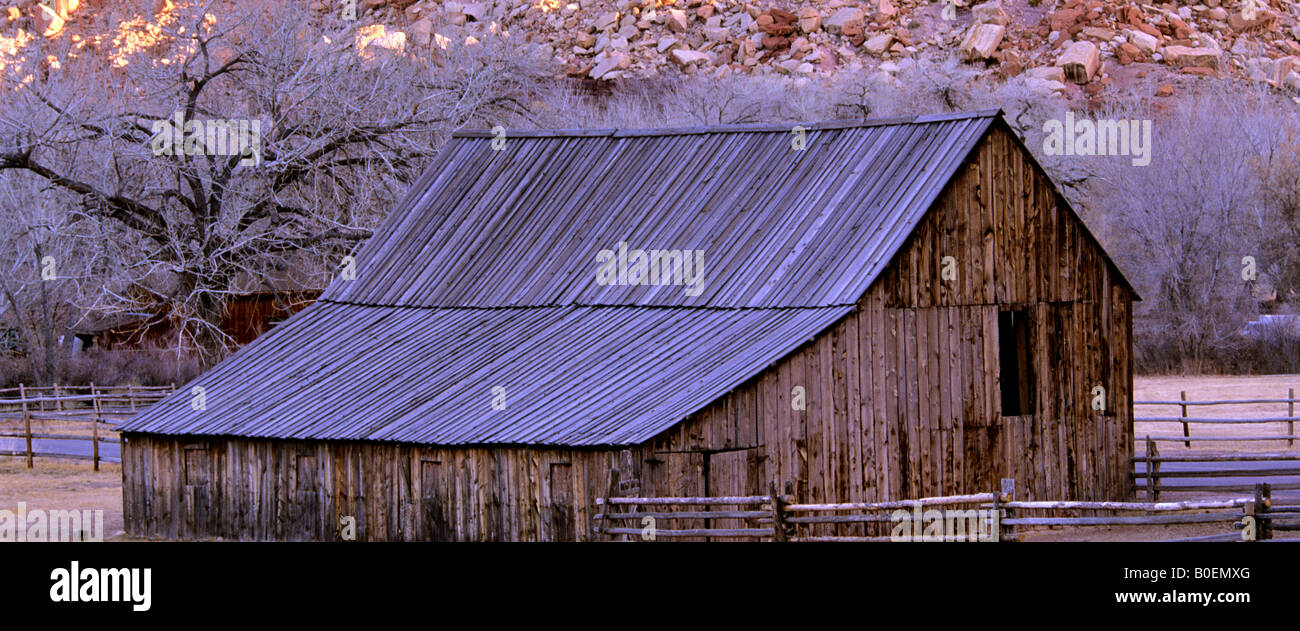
(1263, 499)
(1187, 433)
(58, 403)
(609, 492)
(1009, 490)
(1248, 512)
(130, 396)
(94, 424)
(1152, 469)
(27, 423)
(1290, 412)
(778, 520)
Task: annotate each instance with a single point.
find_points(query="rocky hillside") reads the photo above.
(1071, 46)
(1088, 43)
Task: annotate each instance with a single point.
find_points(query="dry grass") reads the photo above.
(1215, 387)
(64, 485)
(1203, 388)
(13, 428)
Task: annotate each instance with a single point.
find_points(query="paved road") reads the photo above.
(108, 452)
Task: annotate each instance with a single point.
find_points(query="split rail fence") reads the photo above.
(994, 516)
(1186, 421)
(1204, 471)
(75, 406)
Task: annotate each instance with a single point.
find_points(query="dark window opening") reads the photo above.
(82, 342)
(1015, 363)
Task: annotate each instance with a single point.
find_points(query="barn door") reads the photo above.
(433, 504)
(683, 475)
(562, 522)
(197, 498)
(307, 505)
(729, 474)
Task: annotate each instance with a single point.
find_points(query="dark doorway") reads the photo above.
(1015, 361)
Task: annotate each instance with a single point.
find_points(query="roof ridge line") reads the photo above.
(625, 132)
(576, 305)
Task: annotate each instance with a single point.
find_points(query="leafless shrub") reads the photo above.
(108, 368)
(683, 101)
(1182, 226)
(1269, 347)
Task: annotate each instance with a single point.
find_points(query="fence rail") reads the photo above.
(67, 400)
(760, 521)
(999, 517)
(806, 519)
(1213, 473)
(1186, 421)
(1250, 518)
(91, 404)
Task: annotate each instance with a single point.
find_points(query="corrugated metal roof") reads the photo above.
(485, 277)
(570, 375)
(778, 227)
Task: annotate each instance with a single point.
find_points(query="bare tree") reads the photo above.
(1279, 168)
(239, 144)
(1186, 222)
(41, 277)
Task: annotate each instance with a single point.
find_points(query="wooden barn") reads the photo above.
(877, 310)
(247, 315)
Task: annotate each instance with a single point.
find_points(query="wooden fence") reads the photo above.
(994, 516)
(741, 517)
(1155, 473)
(90, 404)
(1213, 472)
(1186, 421)
(805, 517)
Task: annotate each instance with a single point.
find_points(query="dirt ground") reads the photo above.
(1216, 388)
(65, 485)
(1136, 533)
(1203, 388)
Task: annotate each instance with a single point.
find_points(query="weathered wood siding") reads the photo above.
(254, 489)
(903, 397)
(902, 400)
